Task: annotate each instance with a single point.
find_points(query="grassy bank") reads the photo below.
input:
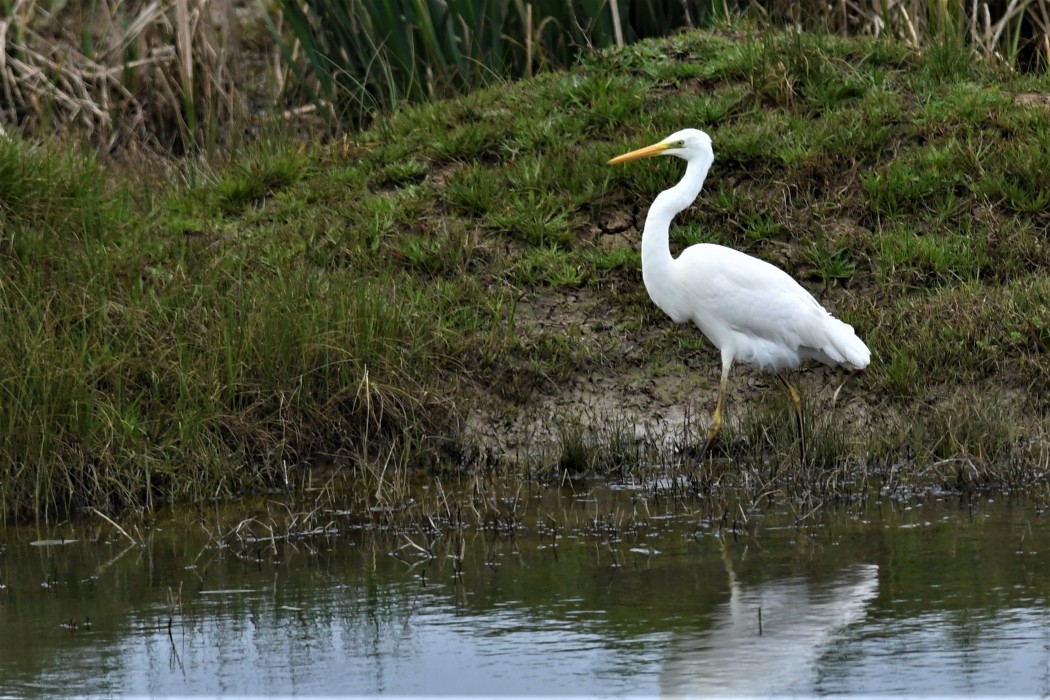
(463, 279)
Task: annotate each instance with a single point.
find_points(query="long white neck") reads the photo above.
(658, 266)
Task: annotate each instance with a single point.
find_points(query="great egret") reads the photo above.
(753, 312)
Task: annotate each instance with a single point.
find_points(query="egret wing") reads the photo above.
(774, 321)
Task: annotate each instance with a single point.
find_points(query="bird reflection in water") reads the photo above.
(768, 639)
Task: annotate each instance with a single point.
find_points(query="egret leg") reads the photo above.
(796, 403)
(716, 419)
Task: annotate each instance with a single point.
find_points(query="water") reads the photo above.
(592, 592)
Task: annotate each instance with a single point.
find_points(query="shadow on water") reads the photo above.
(589, 590)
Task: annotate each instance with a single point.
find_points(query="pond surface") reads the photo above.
(582, 591)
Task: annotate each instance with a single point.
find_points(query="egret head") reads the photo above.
(689, 144)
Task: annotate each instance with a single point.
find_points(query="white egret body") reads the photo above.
(753, 312)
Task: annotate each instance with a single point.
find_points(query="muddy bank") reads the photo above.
(652, 379)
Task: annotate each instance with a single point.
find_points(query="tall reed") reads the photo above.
(359, 57)
(367, 55)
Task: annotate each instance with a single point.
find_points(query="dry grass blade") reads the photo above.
(109, 520)
(993, 32)
(182, 44)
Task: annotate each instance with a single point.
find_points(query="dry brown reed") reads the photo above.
(1015, 33)
(160, 73)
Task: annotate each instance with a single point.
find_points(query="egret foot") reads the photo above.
(712, 433)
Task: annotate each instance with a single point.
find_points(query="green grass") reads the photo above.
(357, 301)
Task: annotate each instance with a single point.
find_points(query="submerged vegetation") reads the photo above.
(459, 285)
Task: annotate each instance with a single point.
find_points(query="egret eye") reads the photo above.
(679, 144)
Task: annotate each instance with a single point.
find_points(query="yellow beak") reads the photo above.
(654, 150)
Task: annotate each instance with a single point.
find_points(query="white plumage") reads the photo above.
(752, 311)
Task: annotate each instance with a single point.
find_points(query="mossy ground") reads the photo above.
(460, 285)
